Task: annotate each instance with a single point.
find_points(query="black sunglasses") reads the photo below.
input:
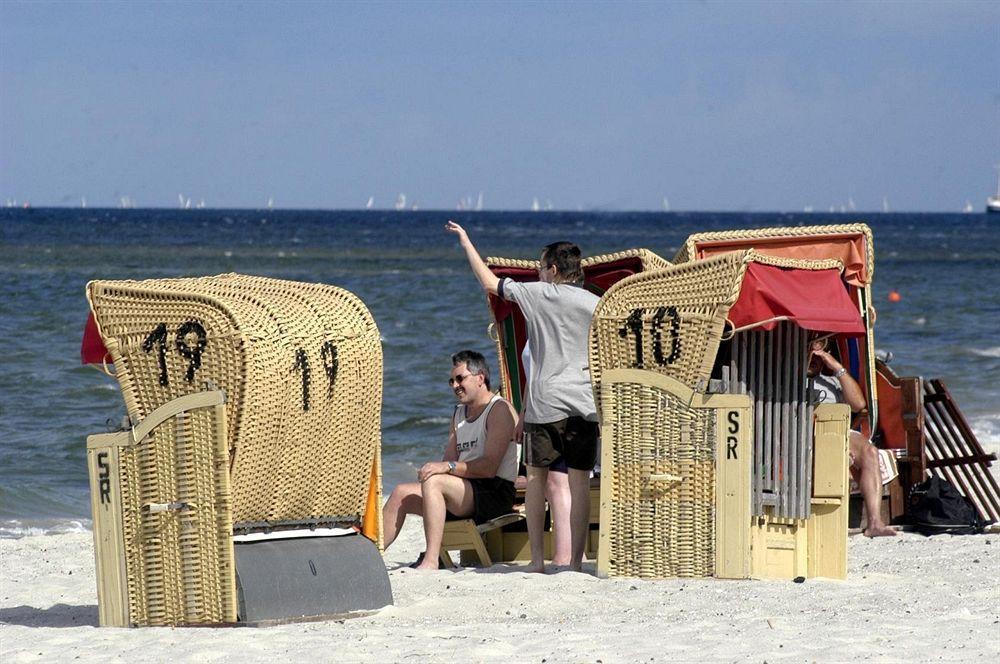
(457, 380)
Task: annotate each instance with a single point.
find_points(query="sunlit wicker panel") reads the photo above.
(669, 321)
(163, 528)
(660, 476)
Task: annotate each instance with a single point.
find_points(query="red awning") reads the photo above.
(814, 299)
(92, 350)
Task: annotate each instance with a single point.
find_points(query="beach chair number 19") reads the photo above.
(634, 324)
(190, 342)
(328, 355)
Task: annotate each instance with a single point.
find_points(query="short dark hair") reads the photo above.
(566, 257)
(474, 362)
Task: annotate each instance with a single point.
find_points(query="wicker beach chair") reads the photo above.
(714, 461)
(300, 366)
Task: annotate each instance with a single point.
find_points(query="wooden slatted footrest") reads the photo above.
(465, 535)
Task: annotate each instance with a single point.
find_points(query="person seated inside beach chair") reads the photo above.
(832, 383)
(475, 478)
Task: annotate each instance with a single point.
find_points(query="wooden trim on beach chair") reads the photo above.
(954, 454)
(465, 535)
(901, 429)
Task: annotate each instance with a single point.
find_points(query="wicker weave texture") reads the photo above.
(688, 250)
(668, 321)
(179, 563)
(658, 528)
(650, 260)
(301, 365)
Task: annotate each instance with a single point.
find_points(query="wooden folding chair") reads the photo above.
(465, 535)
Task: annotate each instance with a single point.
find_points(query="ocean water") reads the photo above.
(415, 280)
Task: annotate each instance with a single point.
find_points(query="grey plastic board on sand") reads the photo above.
(309, 577)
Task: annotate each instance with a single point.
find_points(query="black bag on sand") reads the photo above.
(936, 507)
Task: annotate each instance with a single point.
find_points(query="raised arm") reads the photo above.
(853, 395)
(487, 279)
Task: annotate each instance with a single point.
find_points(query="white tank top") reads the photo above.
(470, 439)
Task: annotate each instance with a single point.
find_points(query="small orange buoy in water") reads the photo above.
(894, 296)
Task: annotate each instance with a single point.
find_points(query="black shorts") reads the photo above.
(574, 439)
(491, 497)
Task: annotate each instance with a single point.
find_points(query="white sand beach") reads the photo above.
(909, 598)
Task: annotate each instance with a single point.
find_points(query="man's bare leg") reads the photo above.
(869, 479)
(405, 499)
(579, 514)
(557, 494)
(442, 493)
(534, 512)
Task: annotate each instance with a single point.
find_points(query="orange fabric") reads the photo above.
(848, 249)
(369, 520)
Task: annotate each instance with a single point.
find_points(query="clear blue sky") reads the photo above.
(718, 106)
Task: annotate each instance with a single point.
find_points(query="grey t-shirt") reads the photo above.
(557, 319)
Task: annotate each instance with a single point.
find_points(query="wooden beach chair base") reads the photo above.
(466, 536)
(511, 545)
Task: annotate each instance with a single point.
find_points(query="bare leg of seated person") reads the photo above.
(557, 494)
(405, 499)
(442, 494)
(865, 469)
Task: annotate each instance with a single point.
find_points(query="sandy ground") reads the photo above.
(910, 598)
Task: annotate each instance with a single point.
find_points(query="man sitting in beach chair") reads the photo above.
(838, 386)
(475, 478)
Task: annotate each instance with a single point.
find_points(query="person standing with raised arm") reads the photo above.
(560, 418)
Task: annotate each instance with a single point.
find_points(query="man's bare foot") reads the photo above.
(535, 569)
(879, 530)
(425, 566)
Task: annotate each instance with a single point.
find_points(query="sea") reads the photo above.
(414, 278)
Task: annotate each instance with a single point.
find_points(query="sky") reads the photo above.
(727, 106)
